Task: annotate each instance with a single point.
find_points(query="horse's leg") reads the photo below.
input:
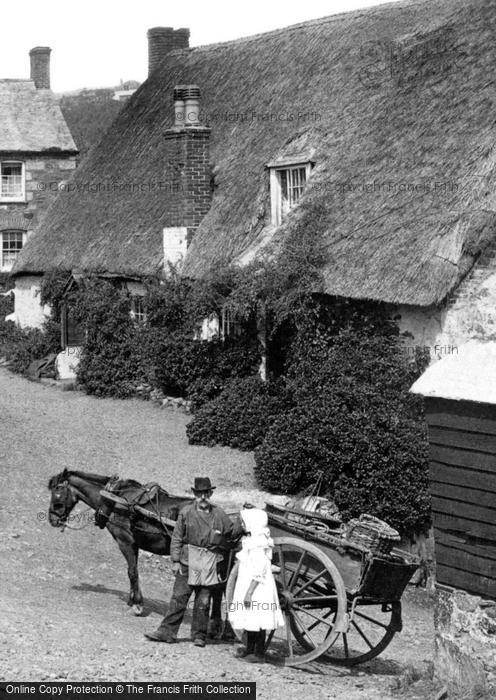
(130, 551)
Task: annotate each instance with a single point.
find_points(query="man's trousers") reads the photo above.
(181, 594)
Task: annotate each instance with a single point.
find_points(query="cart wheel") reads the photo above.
(312, 598)
(372, 627)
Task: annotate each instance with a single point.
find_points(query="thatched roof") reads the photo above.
(31, 120)
(380, 119)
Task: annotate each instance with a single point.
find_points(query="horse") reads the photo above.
(69, 487)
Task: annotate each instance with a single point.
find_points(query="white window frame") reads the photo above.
(138, 312)
(277, 214)
(228, 327)
(7, 267)
(9, 197)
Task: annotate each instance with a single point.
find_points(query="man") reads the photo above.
(201, 536)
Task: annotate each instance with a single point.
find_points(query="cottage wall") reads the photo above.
(469, 313)
(45, 175)
(28, 310)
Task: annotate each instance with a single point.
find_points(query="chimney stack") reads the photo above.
(40, 66)
(189, 174)
(163, 40)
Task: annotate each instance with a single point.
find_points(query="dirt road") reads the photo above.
(62, 603)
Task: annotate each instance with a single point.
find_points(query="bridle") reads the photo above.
(63, 495)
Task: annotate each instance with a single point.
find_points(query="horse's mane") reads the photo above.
(58, 478)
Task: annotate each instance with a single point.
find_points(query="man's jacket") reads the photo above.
(212, 529)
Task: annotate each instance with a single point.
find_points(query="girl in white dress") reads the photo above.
(255, 605)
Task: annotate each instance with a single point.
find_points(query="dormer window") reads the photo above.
(12, 181)
(287, 183)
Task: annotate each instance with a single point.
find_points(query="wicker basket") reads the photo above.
(373, 534)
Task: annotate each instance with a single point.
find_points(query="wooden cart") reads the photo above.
(340, 602)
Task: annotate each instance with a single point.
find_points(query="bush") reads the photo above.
(373, 460)
(199, 370)
(240, 416)
(20, 346)
(115, 354)
(353, 419)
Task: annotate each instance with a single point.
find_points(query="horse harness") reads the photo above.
(143, 506)
(64, 488)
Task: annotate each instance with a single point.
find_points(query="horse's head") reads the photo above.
(63, 499)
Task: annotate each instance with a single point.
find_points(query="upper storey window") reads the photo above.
(12, 242)
(12, 181)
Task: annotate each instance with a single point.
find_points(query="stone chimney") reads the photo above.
(40, 66)
(163, 40)
(188, 172)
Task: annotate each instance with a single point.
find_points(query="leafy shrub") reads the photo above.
(6, 305)
(373, 464)
(353, 419)
(20, 346)
(114, 357)
(199, 370)
(240, 416)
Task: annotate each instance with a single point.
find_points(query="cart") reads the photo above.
(340, 602)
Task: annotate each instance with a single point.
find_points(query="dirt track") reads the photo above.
(62, 601)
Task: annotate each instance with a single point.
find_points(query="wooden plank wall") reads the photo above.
(462, 437)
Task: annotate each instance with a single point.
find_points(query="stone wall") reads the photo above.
(44, 178)
(465, 656)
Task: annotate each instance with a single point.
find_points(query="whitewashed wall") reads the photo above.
(28, 311)
(469, 314)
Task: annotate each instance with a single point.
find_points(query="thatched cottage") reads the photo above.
(36, 152)
(382, 121)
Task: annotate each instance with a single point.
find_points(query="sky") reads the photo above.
(96, 43)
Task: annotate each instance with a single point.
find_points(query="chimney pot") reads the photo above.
(40, 66)
(179, 105)
(191, 97)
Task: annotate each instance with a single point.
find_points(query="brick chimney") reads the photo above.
(40, 66)
(163, 40)
(189, 174)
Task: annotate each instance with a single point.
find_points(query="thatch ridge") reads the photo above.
(394, 244)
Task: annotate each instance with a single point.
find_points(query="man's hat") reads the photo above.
(202, 483)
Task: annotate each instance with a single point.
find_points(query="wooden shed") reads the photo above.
(460, 401)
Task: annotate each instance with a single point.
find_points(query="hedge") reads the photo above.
(240, 416)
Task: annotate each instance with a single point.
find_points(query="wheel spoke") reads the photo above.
(314, 624)
(371, 646)
(282, 564)
(371, 619)
(312, 580)
(296, 573)
(288, 637)
(305, 630)
(315, 617)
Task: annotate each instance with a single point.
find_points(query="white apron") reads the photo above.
(255, 564)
